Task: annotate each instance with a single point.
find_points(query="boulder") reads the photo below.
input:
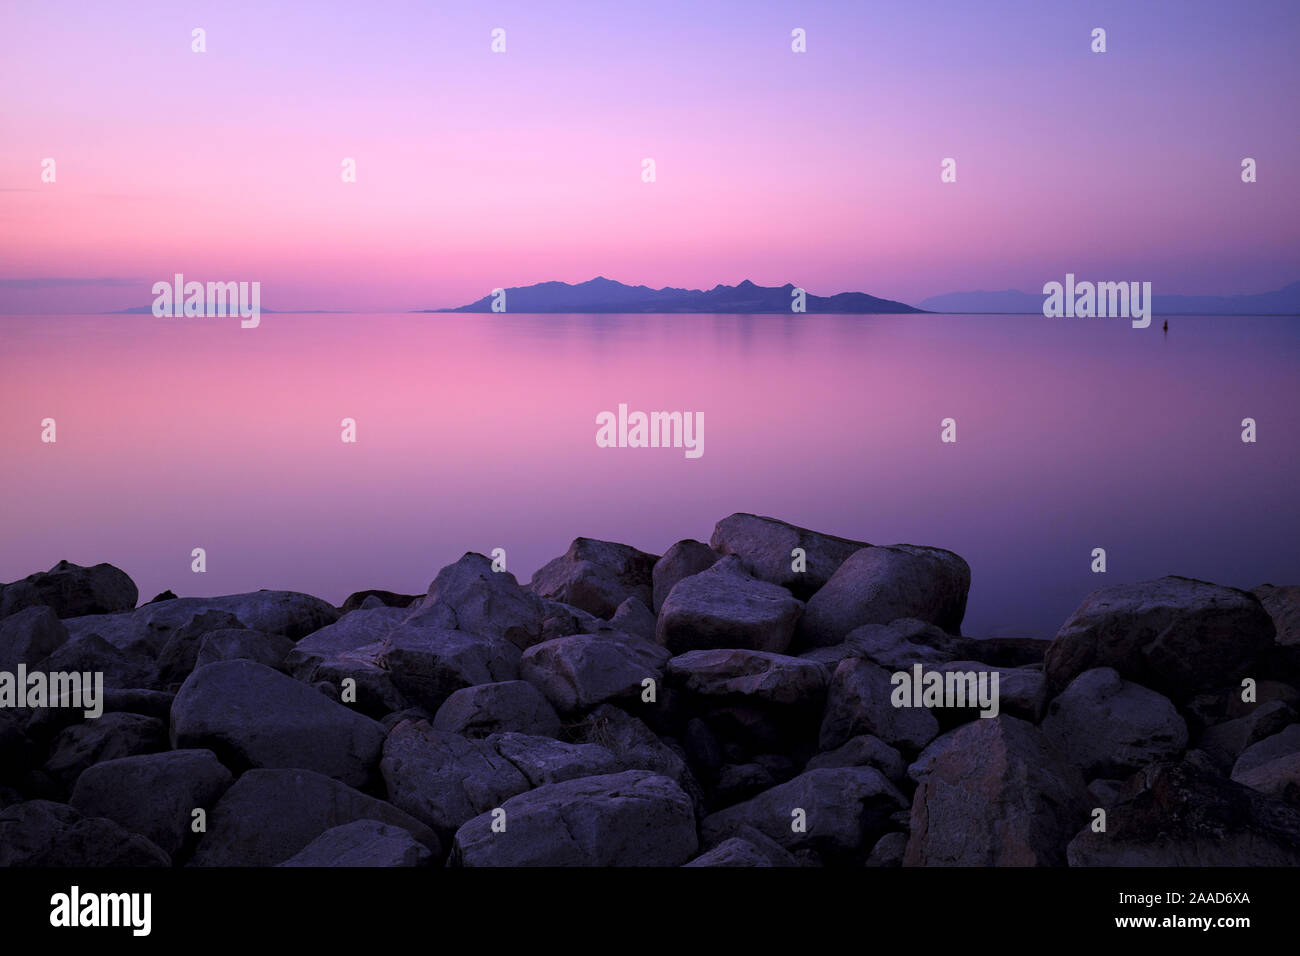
(252, 716)
(352, 648)
(597, 576)
(732, 851)
(445, 779)
(1281, 744)
(1109, 727)
(1283, 606)
(154, 794)
(242, 644)
(766, 547)
(39, 833)
(428, 664)
(864, 751)
(29, 636)
(1279, 776)
(109, 737)
(633, 818)
(897, 646)
(774, 678)
(542, 760)
(488, 709)
(121, 669)
(384, 598)
(481, 601)
(994, 793)
(269, 816)
(1175, 635)
(1224, 743)
(683, 559)
(1185, 814)
(633, 617)
(363, 843)
(177, 658)
(71, 590)
(581, 671)
(724, 607)
(634, 745)
(859, 703)
(845, 810)
(877, 585)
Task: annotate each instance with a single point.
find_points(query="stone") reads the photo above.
(72, 590)
(994, 792)
(683, 559)
(579, 672)
(154, 794)
(38, 833)
(597, 576)
(877, 585)
(481, 601)
(223, 707)
(774, 678)
(1176, 635)
(29, 636)
(845, 811)
(858, 702)
(766, 547)
(864, 751)
(1109, 727)
(488, 709)
(724, 607)
(633, 818)
(269, 816)
(108, 737)
(363, 843)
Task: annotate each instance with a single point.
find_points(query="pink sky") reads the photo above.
(478, 170)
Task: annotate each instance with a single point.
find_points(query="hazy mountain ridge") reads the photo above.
(606, 295)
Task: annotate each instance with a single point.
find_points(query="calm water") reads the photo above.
(477, 432)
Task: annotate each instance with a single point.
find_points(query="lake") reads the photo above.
(478, 432)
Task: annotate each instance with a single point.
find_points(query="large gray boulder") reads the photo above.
(38, 833)
(1283, 606)
(543, 760)
(876, 585)
(428, 664)
(241, 644)
(581, 671)
(1185, 813)
(597, 576)
(109, 737)
(757, 675)
(1109, 727)
(71, 590)
(29, 636)
(154, 794)
(481, 601)
(633, 818)
(488, 709)
(683, 559)
(858, 702)
(994, 792)
(766, 547)
(1175, 635)
(844, 811)
(287, 613)
(445, 779)
(897, 646)
(268, 816)
(1224, 743)
(252, 716)
(726, 607)
(634, 745)
(363, 843)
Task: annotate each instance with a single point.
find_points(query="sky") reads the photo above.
(478, 169)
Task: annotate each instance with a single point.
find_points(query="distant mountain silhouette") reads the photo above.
(606, 295)
(1284, 301)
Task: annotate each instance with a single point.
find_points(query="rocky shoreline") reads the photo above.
(735, 703)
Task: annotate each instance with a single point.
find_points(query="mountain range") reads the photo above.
(1284, 301)
(606, 295)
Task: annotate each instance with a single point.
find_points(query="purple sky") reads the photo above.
(477, 170)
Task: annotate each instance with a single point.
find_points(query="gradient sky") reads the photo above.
(479, 170)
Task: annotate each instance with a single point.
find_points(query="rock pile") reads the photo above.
(733, 703)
